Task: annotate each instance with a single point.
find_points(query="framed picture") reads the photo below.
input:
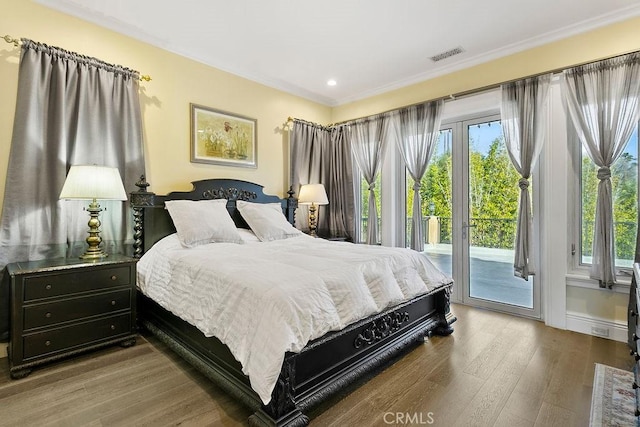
(223, 138)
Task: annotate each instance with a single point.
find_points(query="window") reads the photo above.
(363, 213)
(624, 183)
(435, 195)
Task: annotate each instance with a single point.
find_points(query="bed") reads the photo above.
(321, 367)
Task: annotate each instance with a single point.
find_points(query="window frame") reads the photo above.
(577, 266)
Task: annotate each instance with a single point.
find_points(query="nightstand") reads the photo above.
(62, 307)
(336, 238)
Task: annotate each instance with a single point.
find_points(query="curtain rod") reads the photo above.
(292, 119)
(553, 71)
(16, 42)
(470, 92)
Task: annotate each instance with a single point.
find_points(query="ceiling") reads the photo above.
(367, 46)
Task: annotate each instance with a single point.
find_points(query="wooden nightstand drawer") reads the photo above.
(39, 315)
(61, 307)
(82, 334)
(75, 281)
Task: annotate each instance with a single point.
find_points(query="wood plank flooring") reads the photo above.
(495, 370)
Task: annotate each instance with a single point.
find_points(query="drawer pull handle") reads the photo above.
(47, 315)
(48, 287)
(113, 302)
(114, 277)
(47, 343)
(113, 327)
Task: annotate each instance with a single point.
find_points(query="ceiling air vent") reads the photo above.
(447, 54)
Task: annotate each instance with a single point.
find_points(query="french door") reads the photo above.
(471, 194)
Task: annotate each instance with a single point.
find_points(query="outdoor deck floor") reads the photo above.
(491, 274)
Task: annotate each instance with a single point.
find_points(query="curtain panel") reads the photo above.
(524, 123)
(70, 110)
(417, 129)
(368, 143)
(602, 100)
(321, 155)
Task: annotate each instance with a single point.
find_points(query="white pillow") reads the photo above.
(203, 221)
(248, 236)
(267, 220)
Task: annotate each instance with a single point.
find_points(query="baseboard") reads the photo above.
(578, 322)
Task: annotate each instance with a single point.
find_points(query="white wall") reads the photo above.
(574, 301)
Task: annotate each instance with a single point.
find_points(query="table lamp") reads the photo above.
(92, 182)
(313, 194)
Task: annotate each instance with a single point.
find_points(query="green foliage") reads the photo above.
(494, 193)
(624, 178)
(493, 189)
(435, 190)
(364, 204)
(493, 184)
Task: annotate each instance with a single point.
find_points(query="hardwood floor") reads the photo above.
(495, 370)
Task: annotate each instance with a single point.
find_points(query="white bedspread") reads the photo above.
(264, 299)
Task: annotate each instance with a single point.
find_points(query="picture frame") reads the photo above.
(223, 138)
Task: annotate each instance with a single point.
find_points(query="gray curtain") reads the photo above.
(524, 123)
(417, 130)
(70, 109)
(603, 102)
(368, 143)
(321, 155)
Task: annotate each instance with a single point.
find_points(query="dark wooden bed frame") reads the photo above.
(326, 365)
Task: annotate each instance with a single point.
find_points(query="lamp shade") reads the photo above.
(88, 182)
(313, 193)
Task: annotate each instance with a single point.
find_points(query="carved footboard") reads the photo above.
(329, 364)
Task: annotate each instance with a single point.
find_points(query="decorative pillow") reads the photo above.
(267, 220)
(248, 236)
(203, 221)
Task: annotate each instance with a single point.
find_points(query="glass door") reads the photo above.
(469, 197)
(436, 195)
(487, 223)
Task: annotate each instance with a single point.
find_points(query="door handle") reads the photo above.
(465, 226)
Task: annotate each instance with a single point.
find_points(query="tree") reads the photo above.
(364, 203)
(624, 179)
(493, 189)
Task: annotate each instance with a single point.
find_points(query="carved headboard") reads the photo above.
(152, 221)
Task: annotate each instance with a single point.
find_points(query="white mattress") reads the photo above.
(264, 299)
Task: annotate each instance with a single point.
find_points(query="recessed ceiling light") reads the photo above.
(331, 82)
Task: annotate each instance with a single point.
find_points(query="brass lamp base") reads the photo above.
(94, 255)
(313, 220)
(94, 251)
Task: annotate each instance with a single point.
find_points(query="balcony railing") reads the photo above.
(484, 232)
(500, 233)
(487, 232)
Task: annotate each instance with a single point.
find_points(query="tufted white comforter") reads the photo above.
(264, 299)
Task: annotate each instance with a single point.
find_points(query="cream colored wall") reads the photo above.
(597, 303)
(177, 81)
(611, 40)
